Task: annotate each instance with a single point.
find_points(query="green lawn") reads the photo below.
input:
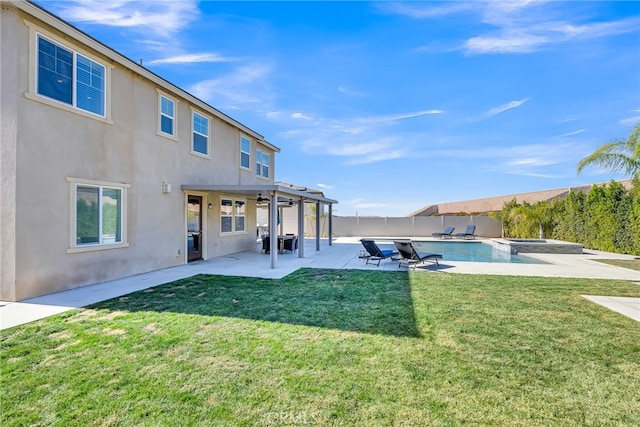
(331, 347)
(632, 264)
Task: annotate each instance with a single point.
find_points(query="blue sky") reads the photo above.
(392, 106)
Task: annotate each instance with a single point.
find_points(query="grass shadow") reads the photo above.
(349, 300)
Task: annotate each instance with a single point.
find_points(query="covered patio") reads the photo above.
(275, 195)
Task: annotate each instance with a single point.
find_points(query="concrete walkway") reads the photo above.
(630, 307)
(343, 254)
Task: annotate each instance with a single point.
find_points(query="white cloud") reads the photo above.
(300, 116)
(512, 44)
(358, 149)
(402, 116)
(358, 140)
(536, 160)
(245, 86)
(543, 160)
(577, 132)
(325, 186)
(630, 121)
(505, 107)
(161, 17)
(531, 161)
(274, 115)
(380, 156)
(190, 58)
(426, 9)
(532, 174)
(348, 92)
(525, 26)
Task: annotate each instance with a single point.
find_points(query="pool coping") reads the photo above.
(536, 246)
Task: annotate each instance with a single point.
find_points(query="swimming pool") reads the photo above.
(472, 251)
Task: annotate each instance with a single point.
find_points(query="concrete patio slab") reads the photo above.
(342, 254)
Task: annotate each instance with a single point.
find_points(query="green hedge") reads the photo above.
(606, 218)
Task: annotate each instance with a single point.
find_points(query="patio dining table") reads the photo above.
(281, 239)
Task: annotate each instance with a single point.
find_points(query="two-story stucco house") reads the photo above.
(107, 170)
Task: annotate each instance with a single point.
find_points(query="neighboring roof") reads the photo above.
(493, 204)
(285, 192)
(49, 18)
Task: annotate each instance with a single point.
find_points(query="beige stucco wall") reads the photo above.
(8, 140)
(51, 144)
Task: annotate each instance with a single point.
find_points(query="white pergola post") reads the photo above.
(273, 229)
(330, 223)
(318, 215)
(301, 228)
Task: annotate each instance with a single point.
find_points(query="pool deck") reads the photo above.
(342, 254)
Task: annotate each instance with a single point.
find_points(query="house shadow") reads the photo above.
(375, 302)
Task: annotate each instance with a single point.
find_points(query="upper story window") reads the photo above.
(262, 164)
(167, 116)
(70, 77)
(245, 152)
(200, 134)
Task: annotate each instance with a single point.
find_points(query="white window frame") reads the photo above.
(74, 246)
(194, 132)
(243, 152)
(235, 214)
(32, 93)
(260, 154)
(238, 214)
(174, 135)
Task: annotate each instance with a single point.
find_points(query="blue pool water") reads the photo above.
(472, 251)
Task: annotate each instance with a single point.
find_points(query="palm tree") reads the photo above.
(619, 155)
(538, 213)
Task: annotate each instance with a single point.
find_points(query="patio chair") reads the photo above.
(375, 253)
(411, 256)
(469, 232)
(446, 234)
(266, 244)
(290, 243)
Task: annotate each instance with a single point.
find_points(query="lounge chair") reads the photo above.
(469, 232)
(375, 253)
(446, 234)
(411, 256)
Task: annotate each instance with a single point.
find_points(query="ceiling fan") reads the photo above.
(260, 199)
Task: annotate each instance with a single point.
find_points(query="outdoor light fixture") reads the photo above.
(210, 206)
(290, 202)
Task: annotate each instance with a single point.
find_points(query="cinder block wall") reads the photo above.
(420, 226)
